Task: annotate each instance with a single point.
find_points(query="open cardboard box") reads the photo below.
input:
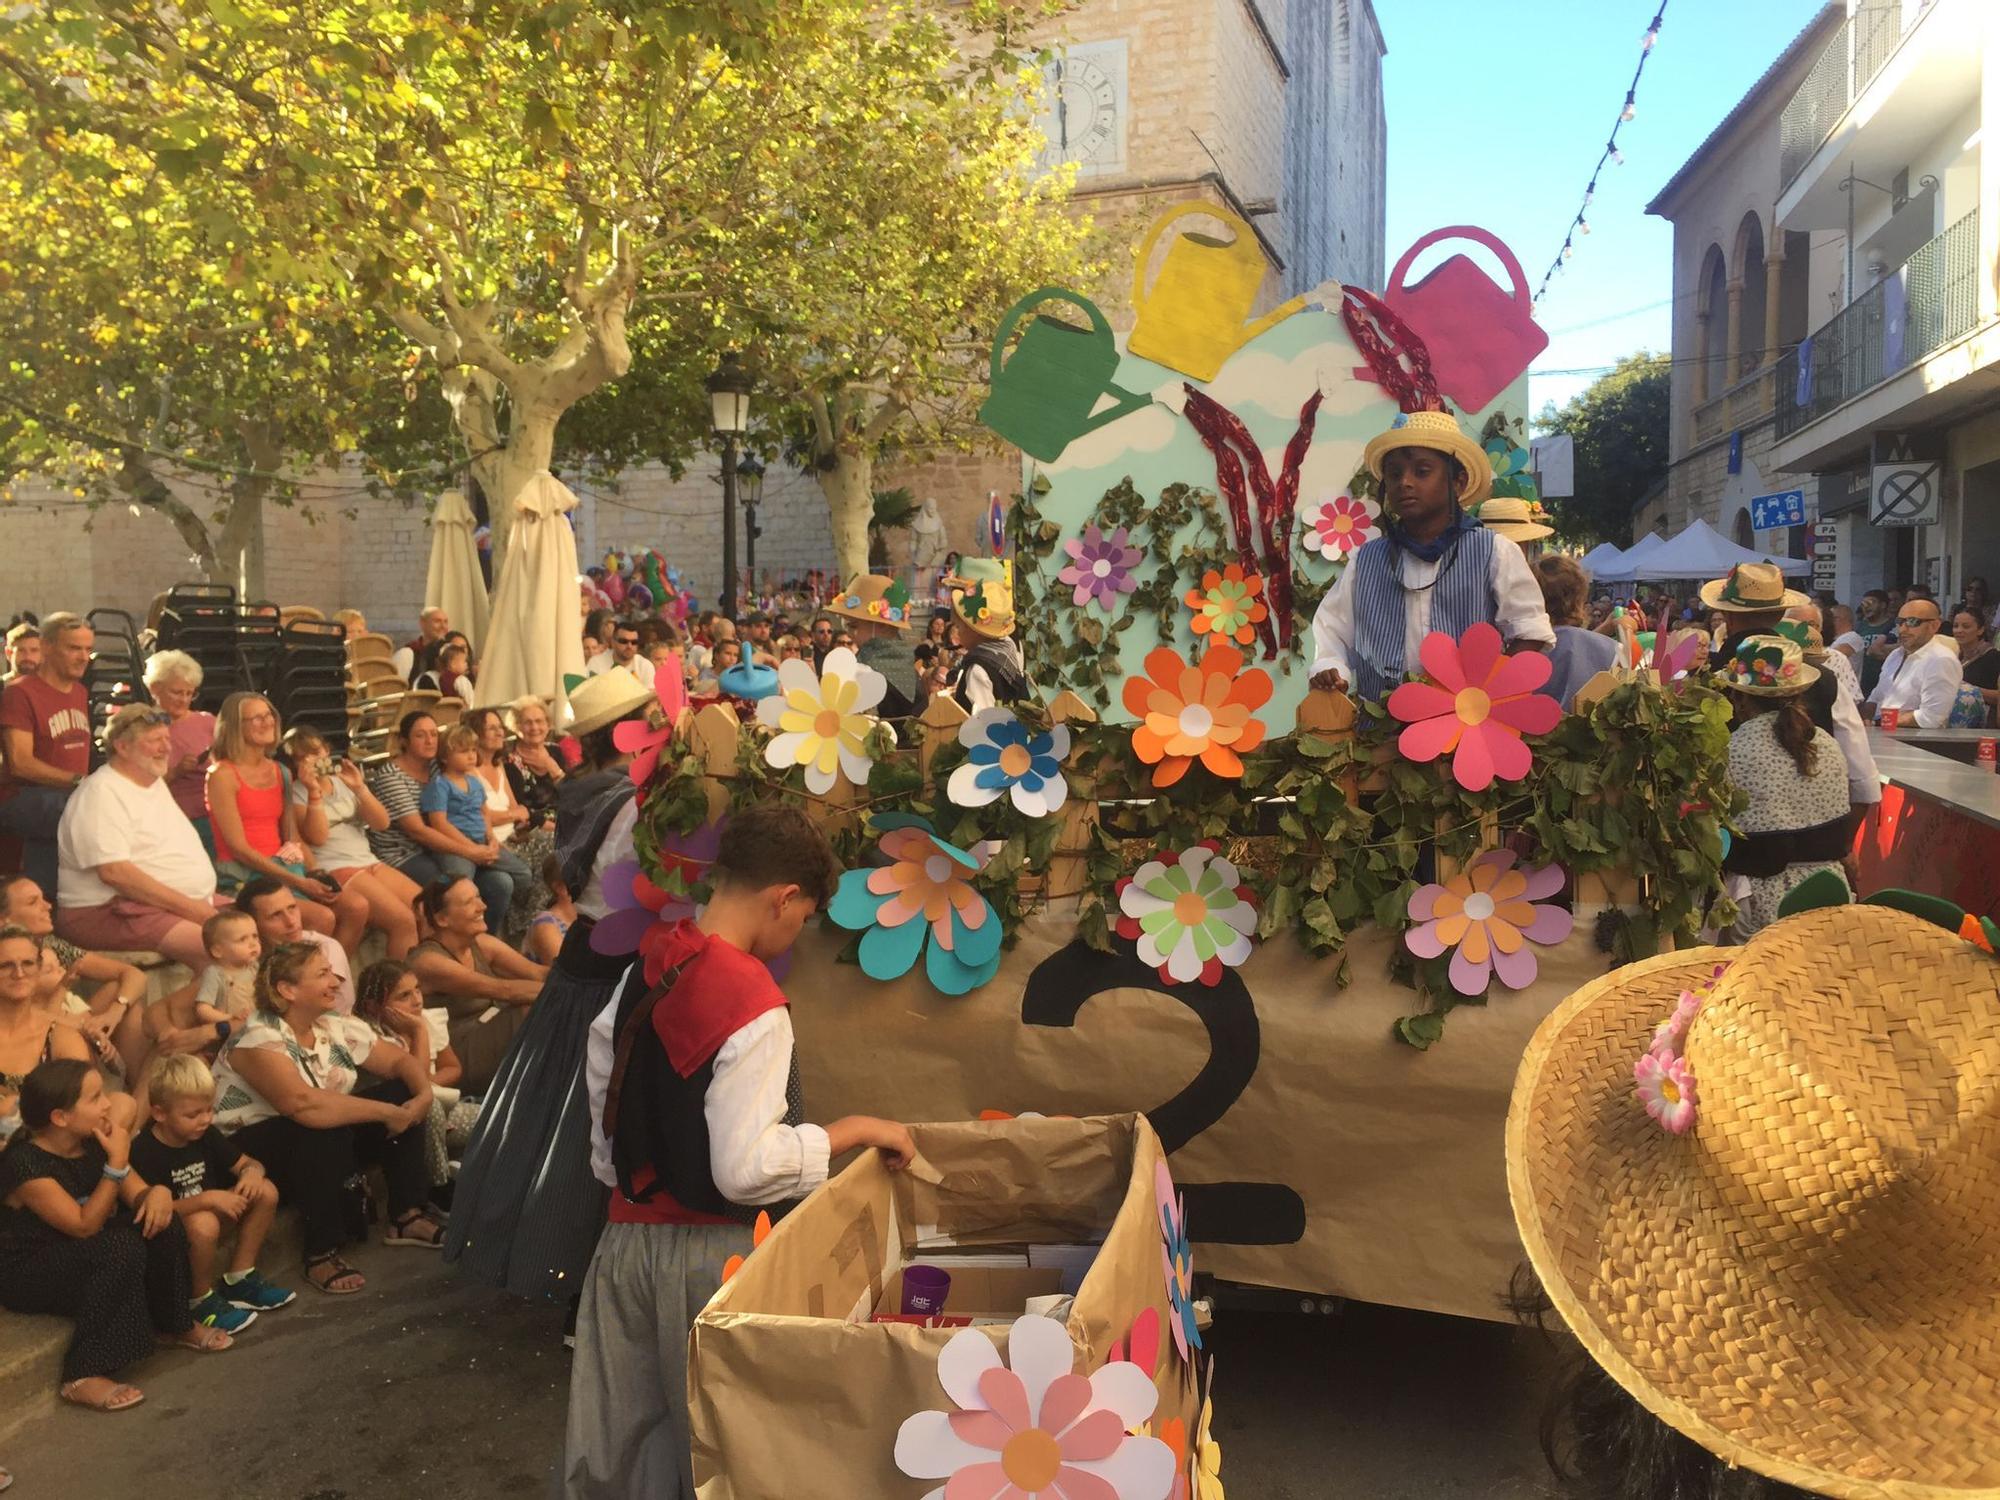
(793, 1389)
(979, 1294)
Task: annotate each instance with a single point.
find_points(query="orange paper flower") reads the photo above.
(1203, 711)
(1228, 604)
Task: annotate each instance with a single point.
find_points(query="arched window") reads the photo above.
(1745, 535)
(1750, 275)
(1711, 324)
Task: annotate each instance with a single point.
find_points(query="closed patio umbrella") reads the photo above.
(537, 637)
(454, 582)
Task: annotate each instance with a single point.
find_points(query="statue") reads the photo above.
(928, 542)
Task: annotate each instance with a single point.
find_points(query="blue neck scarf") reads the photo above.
(1436, 547)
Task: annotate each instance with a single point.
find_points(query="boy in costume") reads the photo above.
(694, 1089)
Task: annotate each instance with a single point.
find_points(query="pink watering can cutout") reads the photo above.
(1045, 397)
(1479, 334)
(1197, 311)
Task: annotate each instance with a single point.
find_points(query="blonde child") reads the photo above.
(454, 801)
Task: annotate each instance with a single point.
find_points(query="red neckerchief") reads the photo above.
(720, 990)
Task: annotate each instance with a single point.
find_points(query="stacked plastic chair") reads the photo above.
(309, 679)
(201, 619)
(116, 674)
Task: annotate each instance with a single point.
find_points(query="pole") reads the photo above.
(750, 552)
(728, 604)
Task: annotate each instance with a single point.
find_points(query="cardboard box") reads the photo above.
(977, 1291)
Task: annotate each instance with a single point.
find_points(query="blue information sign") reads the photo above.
(1786, 508)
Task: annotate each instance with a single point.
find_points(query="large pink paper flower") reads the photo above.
(1487, 912)
(644, 739)
(1478, 703)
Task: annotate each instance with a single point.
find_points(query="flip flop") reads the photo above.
(122, 1398)
(201, 1339)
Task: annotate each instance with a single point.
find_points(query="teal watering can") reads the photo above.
(1044, 398)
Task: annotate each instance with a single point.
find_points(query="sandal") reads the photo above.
(201, 1338)
(118, 1398)
(339, 1278)
(416, 1228)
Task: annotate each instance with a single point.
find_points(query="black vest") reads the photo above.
(1010, 684)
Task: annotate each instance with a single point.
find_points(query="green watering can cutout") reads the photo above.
(1045, 397)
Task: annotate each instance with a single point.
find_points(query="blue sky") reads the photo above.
(1498, 110)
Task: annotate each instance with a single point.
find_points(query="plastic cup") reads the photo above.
(925, 1289)
(1891, 718)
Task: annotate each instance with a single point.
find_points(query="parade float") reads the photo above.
(1306, 938)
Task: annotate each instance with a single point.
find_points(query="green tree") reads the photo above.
(1619, 424)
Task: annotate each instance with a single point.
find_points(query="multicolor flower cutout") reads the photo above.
(1228, 605)
(644, 740)
(1487, 912)
(1477, 704)
(1178, 1256)
(1511, 467)
(824, 719)
(1192, 918)
(924, 892)
(1031, 1427)
(1335, 528)
(1100, 568)
(1202, 711)
(1009, 759)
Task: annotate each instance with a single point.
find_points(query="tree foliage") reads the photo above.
(1619, 424)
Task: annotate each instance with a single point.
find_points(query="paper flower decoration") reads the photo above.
(1207, 1454)
(1228, 605)
(1032, 1427)
(1192, 918)
(1178, 1256)
(1334, 528)
(643, 740)
(1477, 704)
(1666, 1087)
(1100, 567)
(1488, 913)
(1511, 466)
(1141, 1343)
(759, 1232)
(925, 891)
(1203, 711)
(1009, 759)
(823, 720)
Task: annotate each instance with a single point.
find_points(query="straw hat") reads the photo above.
(1751, 588)
(1767, 666)
(873, 600)
(983, 596)
(1802, 1282)
(605, 699)
(1439, 430)
(1512, 518)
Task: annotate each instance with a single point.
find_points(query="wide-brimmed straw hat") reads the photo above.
(1751, 588)
(605, 699)
(1512, 518)
(1438, 430)
(873, 600)
(1766, 666)
(1802, 1281)
(983, 597)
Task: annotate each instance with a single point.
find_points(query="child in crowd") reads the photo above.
(550, 926)
(201, 1016)
(390, 998)
(211, 1181)
(69, 1248)
(693, 1095)
(455, 798)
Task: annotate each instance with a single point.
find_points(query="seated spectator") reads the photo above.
(68, 1249)
(529, 834)
(101, 996)
(45, 737)
(623, 652)
(212, 1183)
(431, 627)
(279, 915)
(390, 998)
(1922, 676)
(352, 621)
(454, 800)
(289, 1093)
(449, 673)
(256, 828)
(336, 812)
(173, 678)
(552, 924)
(227, 995)
(411, 843)
(486, 986)
(24, 650)
(134, 874)
(29, 1033)
(534, 771)
(1579, 654)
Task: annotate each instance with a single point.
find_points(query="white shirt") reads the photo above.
(1926, 684)
(1521, 615)
(754, 1156)
(336, 960)
(346, 846)
(604, 661)
(1849, 644)
(1864, 782)
(111, 818)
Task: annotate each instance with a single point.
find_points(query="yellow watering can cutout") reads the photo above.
(1045, 397)
(1196, 313)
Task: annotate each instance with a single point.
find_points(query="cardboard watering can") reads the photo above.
(1196, 313)
(1480, 336)
(1045, 396)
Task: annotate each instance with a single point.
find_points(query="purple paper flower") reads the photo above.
(1102, 567)
(644, 908)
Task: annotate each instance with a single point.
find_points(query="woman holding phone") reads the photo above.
(335, 809)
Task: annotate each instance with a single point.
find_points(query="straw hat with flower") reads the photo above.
(873, 600)
(1751, 588)
(1762, 1196)
(1512, 518)
(605, 699)
(1438, 430)
(1767, 666)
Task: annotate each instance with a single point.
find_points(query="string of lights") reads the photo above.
(1580, 225)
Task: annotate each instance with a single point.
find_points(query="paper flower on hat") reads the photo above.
(1031, 1427)
(924, 892)
(823, 719)
(1487, 912)
(643, 740)
(1100, 568)
(1178, 1256)
(1192, 918)
(1510, 469)
(1666, 1087)
(1228, 604)
(1203, 711)
(1478, 703)
(644, 910)
(1334, 528)
(1007, 758)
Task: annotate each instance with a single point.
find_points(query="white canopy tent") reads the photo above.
(1618, 567)
(1701, 552)
(1603, 561)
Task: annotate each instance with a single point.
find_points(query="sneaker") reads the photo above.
(213, 1312)
(255, 1293)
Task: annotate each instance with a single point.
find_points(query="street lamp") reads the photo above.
(750, 490)
(729, 400)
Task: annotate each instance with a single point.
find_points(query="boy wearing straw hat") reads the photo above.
(877, 612)
(982, 626)
(1433, 568)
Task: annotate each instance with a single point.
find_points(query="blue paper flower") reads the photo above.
(1010, 759)
(922, 902)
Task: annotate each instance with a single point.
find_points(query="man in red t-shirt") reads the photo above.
(45, 737)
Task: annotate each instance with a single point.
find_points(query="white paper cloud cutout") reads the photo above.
(1147, 430)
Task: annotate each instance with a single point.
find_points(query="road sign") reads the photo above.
(1906, 480)
(1785, 508)
(1826, 530)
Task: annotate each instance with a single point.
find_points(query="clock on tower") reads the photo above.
(1084, 107)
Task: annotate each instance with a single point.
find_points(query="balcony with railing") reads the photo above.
(1736, 408)
(1907, 316)
(1866, 40)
